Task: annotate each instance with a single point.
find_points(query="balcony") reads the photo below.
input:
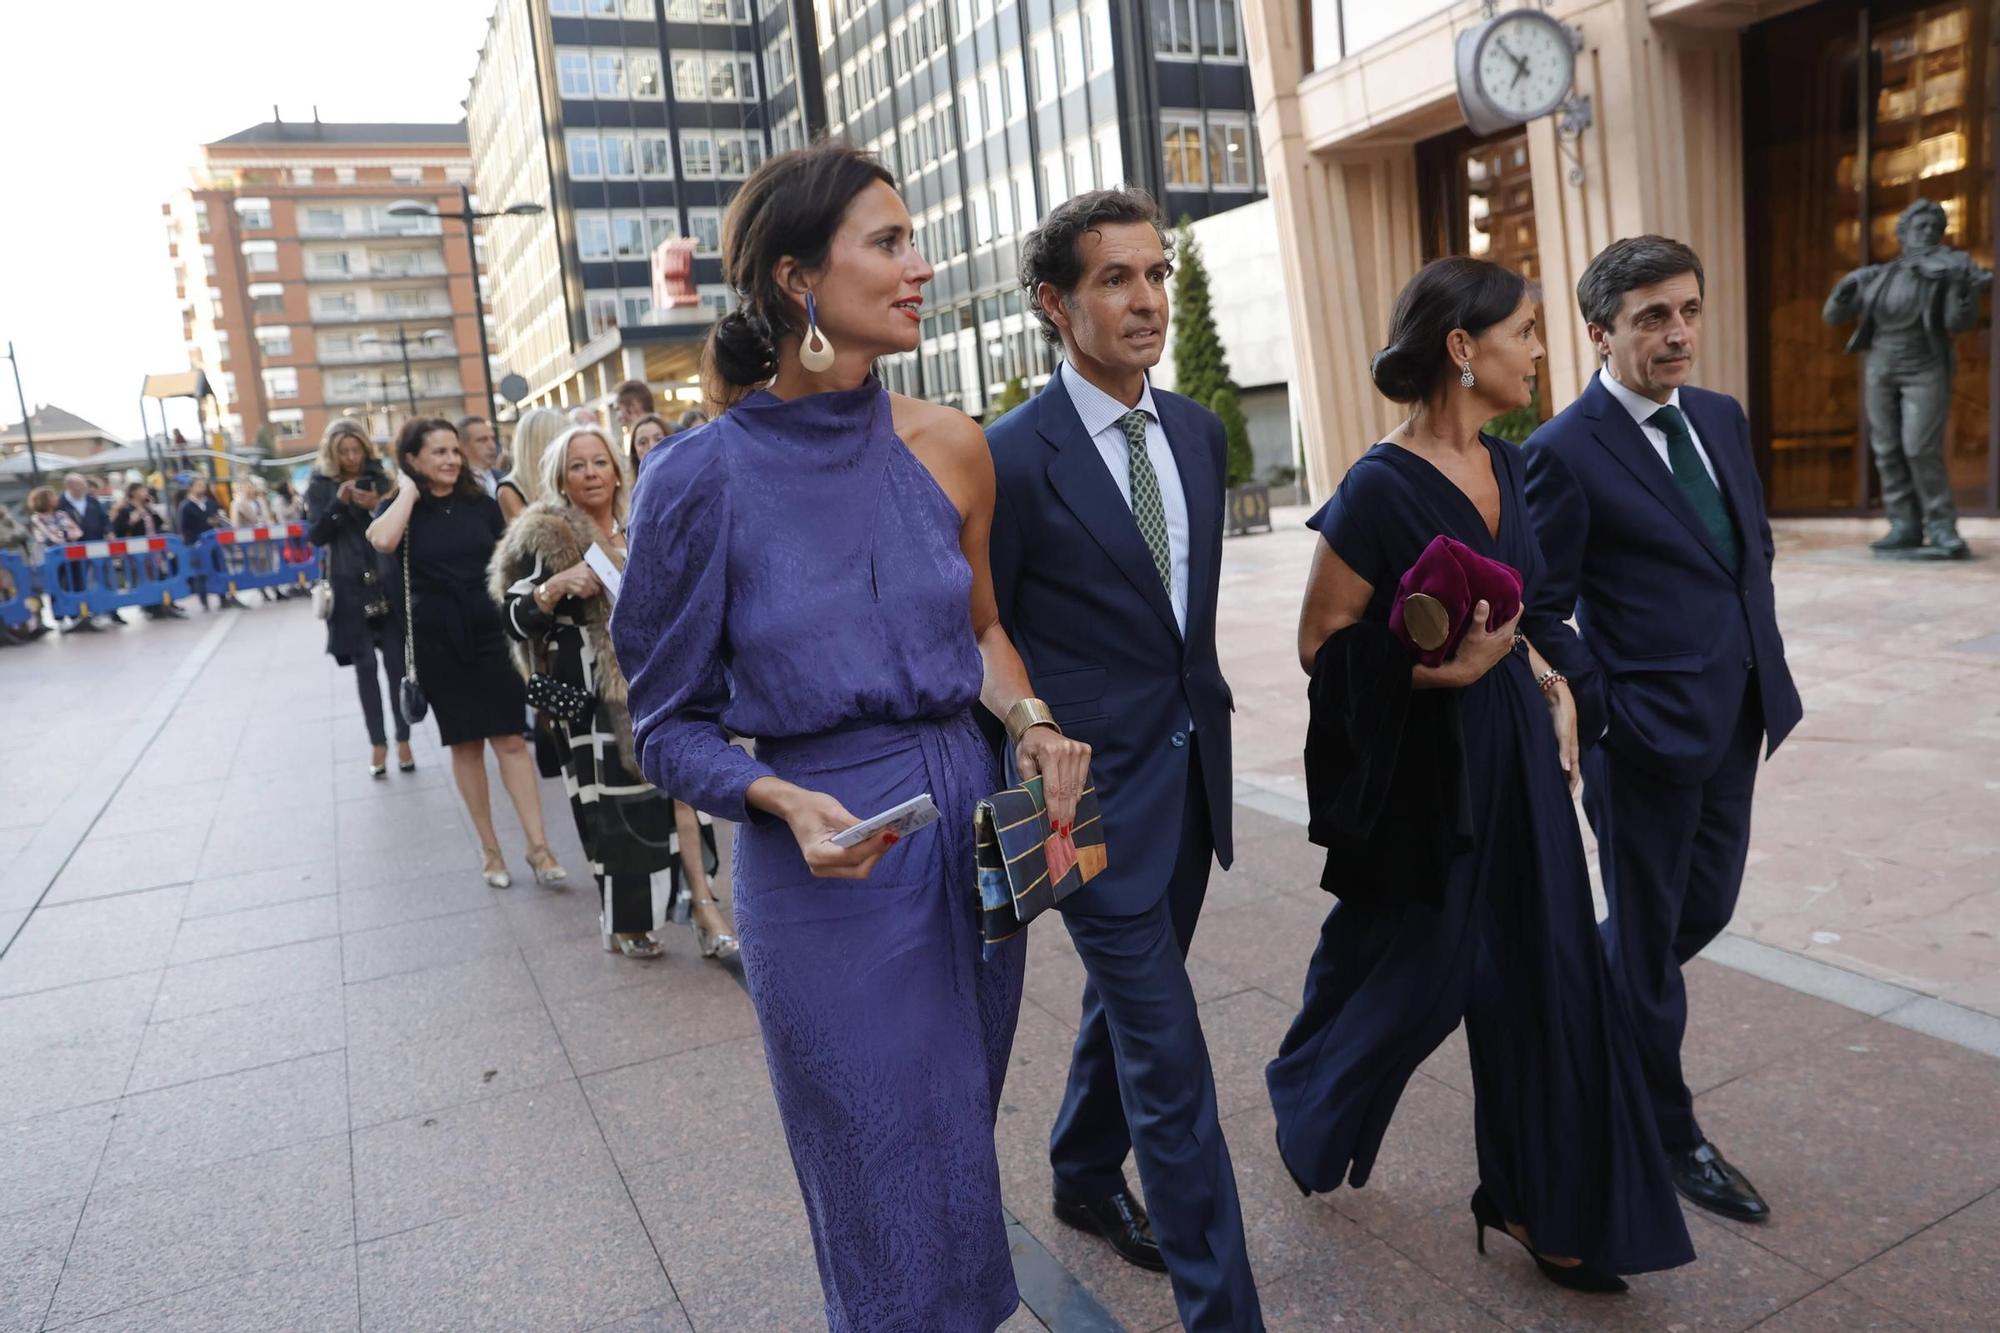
(429, 310)
(387, 353)
(369, 231)
(385, 269)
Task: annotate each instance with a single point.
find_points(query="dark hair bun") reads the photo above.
(741, 349)
(1402, 373)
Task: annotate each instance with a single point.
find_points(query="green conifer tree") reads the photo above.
(1236, 429)
(1201, 366)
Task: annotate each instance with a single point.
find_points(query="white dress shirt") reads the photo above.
(1642, 407)
(1101, 414)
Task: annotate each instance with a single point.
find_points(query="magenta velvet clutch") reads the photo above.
(1435, 598)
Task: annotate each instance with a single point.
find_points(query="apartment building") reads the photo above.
(634, 121)
(303, 298)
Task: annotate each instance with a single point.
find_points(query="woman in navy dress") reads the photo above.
(810, 569)
(1570, 1161)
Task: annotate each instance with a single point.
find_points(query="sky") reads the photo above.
(104, 105)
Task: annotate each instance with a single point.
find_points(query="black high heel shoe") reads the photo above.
(1575, 1277)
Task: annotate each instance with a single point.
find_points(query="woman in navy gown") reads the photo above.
(810, 569)
(1570, 1161)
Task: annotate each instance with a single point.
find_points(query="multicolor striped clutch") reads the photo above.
(1023, 869)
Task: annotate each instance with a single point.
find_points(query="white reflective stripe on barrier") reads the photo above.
(286, 532)
(98, 550)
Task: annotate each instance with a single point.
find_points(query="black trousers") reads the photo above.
(1672, 856)
(366, 681)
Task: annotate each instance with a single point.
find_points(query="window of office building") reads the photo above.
(708, 11)
(697, 154)
(281, 382)
(260, 256)
(1181, 138)
(573, 73)
(778, 63)
(644, 68)
(1230, 163)
(628, 235)
(656, 158)
(593, 236)
(620, 162)
(332, 304)
(1211, 27)
(636, 304)
(253, 214)
(328, 263)
(607, 73)
(585, 162)
(325, 220)
(705, 225)
(600, 312)
(274, 340)
(268, 298)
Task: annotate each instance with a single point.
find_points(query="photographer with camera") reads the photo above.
(364, 616)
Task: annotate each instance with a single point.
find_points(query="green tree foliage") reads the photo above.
(1012, 395)
(1201, 366)
(1242, 463)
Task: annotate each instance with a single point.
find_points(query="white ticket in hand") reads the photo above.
(902, 820)
(607, 573)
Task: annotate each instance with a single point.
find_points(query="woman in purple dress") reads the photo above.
(810, 569)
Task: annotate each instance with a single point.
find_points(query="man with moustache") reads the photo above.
(1644, 495)
(1106, 550)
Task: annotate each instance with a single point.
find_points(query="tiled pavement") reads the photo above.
(271, 1057)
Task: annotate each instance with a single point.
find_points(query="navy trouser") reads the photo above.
(1141, 1062)
(1672, 856)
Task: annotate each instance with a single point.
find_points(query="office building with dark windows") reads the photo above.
(633, 121)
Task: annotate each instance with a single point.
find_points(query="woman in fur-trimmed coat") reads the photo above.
(559, 612)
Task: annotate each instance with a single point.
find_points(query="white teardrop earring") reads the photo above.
(815, 352)
(1465, 376)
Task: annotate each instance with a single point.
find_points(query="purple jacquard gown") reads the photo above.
(795, 576)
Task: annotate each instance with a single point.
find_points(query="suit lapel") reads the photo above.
(1617, 432)
(1204, 507)
(1084, 484)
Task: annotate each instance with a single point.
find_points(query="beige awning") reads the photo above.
(181, 384)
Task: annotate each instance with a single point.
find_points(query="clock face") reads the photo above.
(1525, 65)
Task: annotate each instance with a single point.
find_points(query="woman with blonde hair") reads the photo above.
(533, 434)
(366, 617)
(560, 612)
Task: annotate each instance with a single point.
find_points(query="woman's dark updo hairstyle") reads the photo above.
(1446, 294)
(792, 205)
(410, 443)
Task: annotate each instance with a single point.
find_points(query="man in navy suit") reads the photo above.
(1645, 497)
(1107, 547)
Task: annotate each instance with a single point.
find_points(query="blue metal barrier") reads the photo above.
(18, 584)
(266, 557)
(83, 578)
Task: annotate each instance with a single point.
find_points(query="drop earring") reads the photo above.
(1465, 377)
(815, 352)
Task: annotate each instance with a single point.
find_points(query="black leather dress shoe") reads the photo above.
(1120, 1220)
(1708, 1181)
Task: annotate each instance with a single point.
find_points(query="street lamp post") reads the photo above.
(427, 338)
(27, 426)
(468, 215)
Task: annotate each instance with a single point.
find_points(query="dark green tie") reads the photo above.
(1695, 483)
(1147, 507)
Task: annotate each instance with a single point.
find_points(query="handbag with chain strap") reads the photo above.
(415, 706)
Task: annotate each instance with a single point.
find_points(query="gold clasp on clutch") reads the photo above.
(1428, 623)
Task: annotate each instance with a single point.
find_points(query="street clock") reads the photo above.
(1514, 68)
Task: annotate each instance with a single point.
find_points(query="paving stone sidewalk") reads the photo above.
(273, 1057)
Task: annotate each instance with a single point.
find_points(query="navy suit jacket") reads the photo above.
(95, 520)
(1082, 601)
(1666, 633)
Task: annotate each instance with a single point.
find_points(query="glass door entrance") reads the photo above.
(1852, 112)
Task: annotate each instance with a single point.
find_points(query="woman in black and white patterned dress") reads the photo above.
(560, 612)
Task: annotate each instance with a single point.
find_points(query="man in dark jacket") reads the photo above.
(1107, 551)
(1645, 498)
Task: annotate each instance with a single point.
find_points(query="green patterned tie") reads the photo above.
(1146, 505)
(1695, 483)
